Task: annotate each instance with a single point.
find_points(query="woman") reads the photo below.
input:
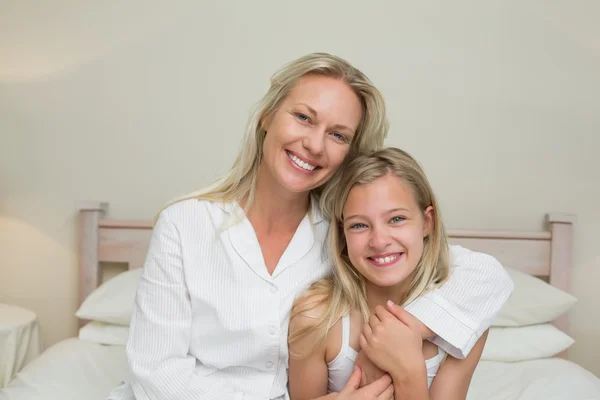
(225, 264)
(389, 245)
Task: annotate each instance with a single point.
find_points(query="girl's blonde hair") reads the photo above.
(240, 182)
(345, 289)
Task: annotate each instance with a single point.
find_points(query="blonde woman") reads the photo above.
(224, 264)
(389, 246)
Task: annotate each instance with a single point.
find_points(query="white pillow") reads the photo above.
(102, 333)
(525, 343)
(112, 302)
(533, 301)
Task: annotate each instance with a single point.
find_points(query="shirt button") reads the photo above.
(272, 330)
(273, 289)
(269, 365)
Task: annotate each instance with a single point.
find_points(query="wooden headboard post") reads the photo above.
(561, 257)
(90, 273)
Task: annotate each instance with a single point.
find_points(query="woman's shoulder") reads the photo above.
(195, 213)
(187, 207)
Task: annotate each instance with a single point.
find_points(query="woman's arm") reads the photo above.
(160, 330)
(454, 376)
(464, 306)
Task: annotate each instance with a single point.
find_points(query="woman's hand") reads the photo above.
(393, 345)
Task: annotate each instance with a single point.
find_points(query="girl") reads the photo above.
(389, 246)
(224, 265)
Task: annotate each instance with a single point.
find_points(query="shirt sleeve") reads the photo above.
(160, 329)
(464, 307)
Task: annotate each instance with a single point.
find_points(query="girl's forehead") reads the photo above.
(384, 192)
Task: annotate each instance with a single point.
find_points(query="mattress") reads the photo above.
(75, 369)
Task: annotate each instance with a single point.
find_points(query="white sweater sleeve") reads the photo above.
(160, 329)
(466, 304)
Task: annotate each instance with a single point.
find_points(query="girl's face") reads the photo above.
(385, 230)
(309, 135)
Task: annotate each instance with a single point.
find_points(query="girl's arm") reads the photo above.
(308, 375)
(454, 376)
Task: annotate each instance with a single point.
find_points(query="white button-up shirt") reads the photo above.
(209, 321)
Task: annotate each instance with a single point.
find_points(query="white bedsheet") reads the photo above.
(70, 370)
(78, 370)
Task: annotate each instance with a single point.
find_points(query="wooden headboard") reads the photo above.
(546, 254)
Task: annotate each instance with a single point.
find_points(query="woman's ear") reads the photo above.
(429, 223)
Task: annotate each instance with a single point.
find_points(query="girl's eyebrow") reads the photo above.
(393, 210)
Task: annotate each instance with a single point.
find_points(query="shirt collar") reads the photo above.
(233, 207)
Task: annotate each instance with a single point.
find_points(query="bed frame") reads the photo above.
(547, 254)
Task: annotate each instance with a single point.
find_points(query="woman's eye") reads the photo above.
(302, 117)
(396, 220)
(340, 137)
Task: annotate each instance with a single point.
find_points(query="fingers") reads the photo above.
(354, 380)
(367, 330)
(400, 313)
(409, 320)
(378, 387)
(387, 394)
(383, 314)
(374, 320)
(363, 341)
(374, 323)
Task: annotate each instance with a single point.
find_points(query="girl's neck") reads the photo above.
(378, 296)
(274, 209)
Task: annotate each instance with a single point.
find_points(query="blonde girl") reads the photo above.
(389, 247)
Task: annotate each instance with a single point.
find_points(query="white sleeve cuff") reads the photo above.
(454, 336)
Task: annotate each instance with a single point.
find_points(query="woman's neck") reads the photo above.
(275, 210)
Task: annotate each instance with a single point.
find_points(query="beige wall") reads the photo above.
(138, 102)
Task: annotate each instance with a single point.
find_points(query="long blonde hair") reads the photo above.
(240, 182)
(345, 289)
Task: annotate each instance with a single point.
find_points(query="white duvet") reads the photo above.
(545, 379)
(70, 370)
(78, 370)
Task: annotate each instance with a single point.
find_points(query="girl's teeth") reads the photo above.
(385, 260)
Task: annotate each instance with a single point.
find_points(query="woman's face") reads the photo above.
(309, 136)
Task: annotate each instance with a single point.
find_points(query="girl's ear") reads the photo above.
(429, 216)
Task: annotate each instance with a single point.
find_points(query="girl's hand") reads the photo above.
(410, 320)
(381, 389)
(369, 372)
(393, 345)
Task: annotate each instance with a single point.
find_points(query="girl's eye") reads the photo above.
(396, 220)
(358, 226)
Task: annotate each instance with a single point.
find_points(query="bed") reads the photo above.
(526, 356)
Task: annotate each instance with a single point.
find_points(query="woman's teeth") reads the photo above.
(301, 163)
